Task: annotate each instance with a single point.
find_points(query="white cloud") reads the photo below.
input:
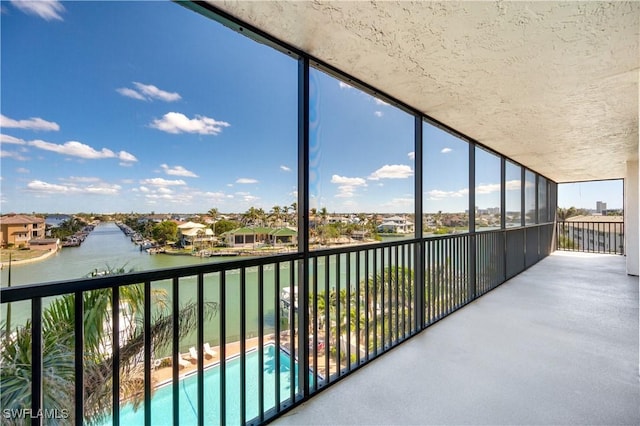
(162, 182)
(488, 188)
(285, 168)
(395, 171)
(342, 180)
(512, 184)
(33, 123)
(163, 190)
(11, 139)
(380, 102)
(175, 123)
(148, 92)
(246, 180)
(40, 186)
(22, 170)
(347, 186)
(45, 9)
(12, 154)
(78, 149)
(344, 85)
(378, 113)
(412, 155)
(144, 189)
(130, 93)
(177, 171)
(81, 179)
(100, 188)
(127, 157)
(437, 194)
(153, 92)
(445, 150)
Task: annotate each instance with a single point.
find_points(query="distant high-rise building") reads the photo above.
(601, 206)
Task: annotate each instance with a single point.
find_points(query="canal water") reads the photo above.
(108, 247)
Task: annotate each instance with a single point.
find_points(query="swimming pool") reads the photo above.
(162, 400)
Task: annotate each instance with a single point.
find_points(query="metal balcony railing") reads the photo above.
(263, 334)
(591, 237)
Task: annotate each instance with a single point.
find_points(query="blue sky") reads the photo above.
(147, 106)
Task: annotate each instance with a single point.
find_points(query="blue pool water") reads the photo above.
(162, 399)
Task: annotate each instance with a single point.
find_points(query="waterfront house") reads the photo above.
(396, 225)
(255, 236)
(192, 233)
(18, 230)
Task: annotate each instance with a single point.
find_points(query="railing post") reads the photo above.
(36, 361)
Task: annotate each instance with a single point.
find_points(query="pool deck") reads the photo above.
(165, 374)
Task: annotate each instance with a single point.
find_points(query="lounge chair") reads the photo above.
(183, 362)
(193, 353)
(208, 351)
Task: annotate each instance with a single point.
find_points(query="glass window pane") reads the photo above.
(487, 190)
(530, 195)
(542, 200)
(445, 182)
(161, 120)
(513, 198)
(361, 165)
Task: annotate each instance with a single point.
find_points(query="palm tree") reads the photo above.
(58, 334)
(213, 212)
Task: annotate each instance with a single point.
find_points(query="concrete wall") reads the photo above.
(631, 231)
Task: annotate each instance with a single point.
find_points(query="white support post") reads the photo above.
(631, 205)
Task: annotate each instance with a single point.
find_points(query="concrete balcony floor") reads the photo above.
(557, 344)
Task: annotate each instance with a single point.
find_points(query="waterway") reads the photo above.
(108, 247)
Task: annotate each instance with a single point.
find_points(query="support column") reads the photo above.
(631, 231)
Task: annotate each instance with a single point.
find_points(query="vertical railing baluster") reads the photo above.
(79, 357)
(277, 304)
(37, 347)
(223, 346)
(327, 319)
(383, 308)
(243, 344)
(147, 353)
(200, 344)
(115, 354)
(261, 343)
(404, 289)
(366, 298)
(292, 331)
(175, 348)
(316, 323)
(375, 301)
(338, 328)
(358, 310)
(396, 306)
(348, 308)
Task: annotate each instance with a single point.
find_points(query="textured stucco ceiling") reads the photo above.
(553, 85)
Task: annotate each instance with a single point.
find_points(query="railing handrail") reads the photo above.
(66, 286)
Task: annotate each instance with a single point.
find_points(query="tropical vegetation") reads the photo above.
(58, 337)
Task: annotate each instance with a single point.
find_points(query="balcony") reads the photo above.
(558, 344)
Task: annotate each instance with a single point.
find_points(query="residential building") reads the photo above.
(396, 225)
(191, 233)
(595, 233)
(17, 230)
